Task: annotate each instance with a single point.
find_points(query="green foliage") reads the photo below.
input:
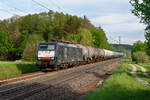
(36, 38)
(6, 45)
(100, 39)
(46, 26)
(140, 57)
(121, 86)
(148, 42)
(142, 11)
(29, 53)
(146, 66)
(138, 46)
(85, 37)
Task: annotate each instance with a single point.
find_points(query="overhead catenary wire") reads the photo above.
(8, 12)
(59, 8)
(41, 5)
(13, 7)
(114, 40)
(59, 4)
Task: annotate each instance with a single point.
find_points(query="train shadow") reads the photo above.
(27, 68)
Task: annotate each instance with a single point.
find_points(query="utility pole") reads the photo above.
(119, 43)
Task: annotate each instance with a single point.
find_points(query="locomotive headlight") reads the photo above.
(39, 58)
(52, 58)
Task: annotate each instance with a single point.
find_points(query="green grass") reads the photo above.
(146, 66)
(8, 69)
(121, 86)
(141, 75)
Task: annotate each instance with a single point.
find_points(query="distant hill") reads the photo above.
(122, 46)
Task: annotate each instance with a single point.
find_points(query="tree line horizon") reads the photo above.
(20, 36)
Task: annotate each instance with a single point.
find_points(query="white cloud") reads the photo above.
(81, 2)
(124, 27)
(124, 40)
(119, 23)
(130, 41)
(130, 32)
(4, 15)
(110, 19)
(113, 18)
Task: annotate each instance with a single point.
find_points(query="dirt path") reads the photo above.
(133, 73)
(144, 71)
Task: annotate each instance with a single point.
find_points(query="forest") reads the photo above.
(20, 36)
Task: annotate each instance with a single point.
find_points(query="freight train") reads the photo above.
(64, 54)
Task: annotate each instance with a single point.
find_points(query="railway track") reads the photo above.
(20, 77)
(24, 77)
(27, 90)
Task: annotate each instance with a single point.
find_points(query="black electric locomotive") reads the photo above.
(55, 55)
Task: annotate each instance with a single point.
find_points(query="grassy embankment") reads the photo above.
(8, 69)
(121, 86)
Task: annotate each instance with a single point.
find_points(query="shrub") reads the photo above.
(30, 50)
(140, 57)
(29, 53)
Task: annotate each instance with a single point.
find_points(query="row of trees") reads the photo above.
(19, 36)
(141, 9)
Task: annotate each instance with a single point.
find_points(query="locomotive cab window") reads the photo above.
(47, 47)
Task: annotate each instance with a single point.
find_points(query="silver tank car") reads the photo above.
(85, 51)
(101, 53)
(91, 52)
(108, 54)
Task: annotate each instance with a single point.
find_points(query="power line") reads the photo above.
(41, 5)
(119, 40)
(116, 40)
(59, 8)
(8, 12)
(14, 7)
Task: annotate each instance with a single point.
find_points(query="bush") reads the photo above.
(29, 53)
(140, 57)
(30, 50)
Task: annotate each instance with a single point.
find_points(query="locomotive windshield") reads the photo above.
(47, 47)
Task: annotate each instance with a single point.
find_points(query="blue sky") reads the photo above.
(114, 16)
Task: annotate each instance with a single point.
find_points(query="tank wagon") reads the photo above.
(63, 54)
(118, 54)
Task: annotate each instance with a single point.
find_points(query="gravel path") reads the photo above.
(133, 73)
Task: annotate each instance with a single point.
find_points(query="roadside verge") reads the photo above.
(121, 86)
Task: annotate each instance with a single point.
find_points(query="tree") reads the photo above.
(100, 39)
(140, 57)
(142, 11)
(6, 45)
(27, 31)
(138, 46)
